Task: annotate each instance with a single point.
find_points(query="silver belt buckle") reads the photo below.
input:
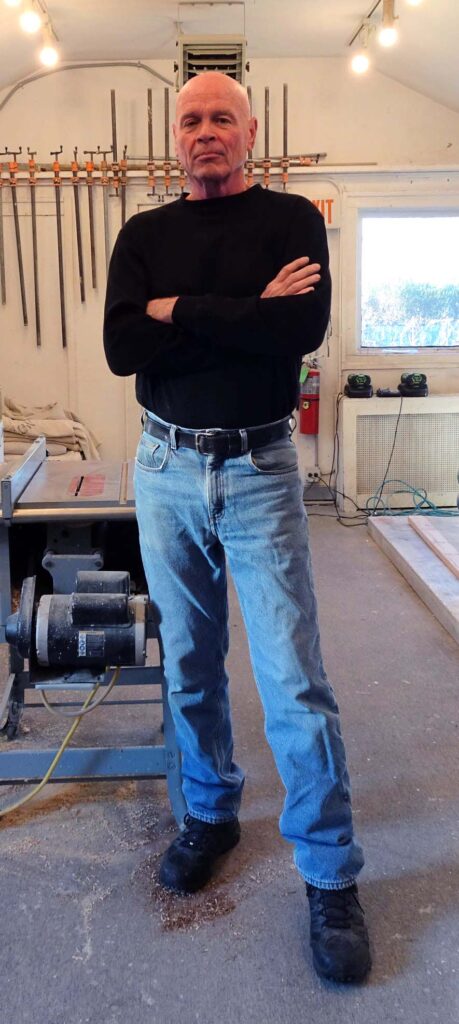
(211, 432)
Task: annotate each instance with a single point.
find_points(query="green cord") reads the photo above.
(423, 506)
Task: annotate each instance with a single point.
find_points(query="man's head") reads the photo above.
(213, 132)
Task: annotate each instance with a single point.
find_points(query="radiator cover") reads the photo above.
(426, 453)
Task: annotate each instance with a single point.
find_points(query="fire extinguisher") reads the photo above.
(309, 402)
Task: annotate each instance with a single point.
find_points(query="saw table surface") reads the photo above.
(64, 488)
(92, 484)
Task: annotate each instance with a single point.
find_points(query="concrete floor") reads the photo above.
(87, 935)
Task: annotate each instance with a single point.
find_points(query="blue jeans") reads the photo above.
(192, 511)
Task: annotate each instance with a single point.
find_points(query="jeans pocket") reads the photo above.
(152, 454)
(279, 457)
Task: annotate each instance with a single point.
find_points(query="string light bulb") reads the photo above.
(49, 54)
(35, 16)
(414, 3)
(30, 20)
(360, 62)
(388, 34)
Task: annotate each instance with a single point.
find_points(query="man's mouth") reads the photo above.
(208, 156)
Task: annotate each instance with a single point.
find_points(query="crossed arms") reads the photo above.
(289, 316)
(296, 278)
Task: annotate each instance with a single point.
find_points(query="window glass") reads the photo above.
(409, 282)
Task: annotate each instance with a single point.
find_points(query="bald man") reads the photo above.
(212, 301)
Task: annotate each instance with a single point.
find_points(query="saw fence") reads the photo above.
(100, 177)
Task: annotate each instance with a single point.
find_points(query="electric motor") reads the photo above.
(99, 624)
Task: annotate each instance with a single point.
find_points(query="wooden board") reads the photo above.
(424, 571)
(443, 542)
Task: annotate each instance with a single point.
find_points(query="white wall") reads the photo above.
(353, 121)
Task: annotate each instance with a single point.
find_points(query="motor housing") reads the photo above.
(98, 625)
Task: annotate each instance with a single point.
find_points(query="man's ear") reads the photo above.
(253, 126)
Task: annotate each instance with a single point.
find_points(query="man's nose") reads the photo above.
(206, 131)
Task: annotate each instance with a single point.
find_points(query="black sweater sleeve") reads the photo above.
(133, 341)
(293, 324)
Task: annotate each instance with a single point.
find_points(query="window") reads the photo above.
(409, 280)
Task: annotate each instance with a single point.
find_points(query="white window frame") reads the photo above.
(355, 357)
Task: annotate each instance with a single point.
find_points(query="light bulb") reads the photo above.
(49, 56)
(414, 3)
(12, 3)
(49, 53)
(388, 36)
(360, 63)
(30, 20)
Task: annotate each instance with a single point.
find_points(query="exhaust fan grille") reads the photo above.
(216, 53)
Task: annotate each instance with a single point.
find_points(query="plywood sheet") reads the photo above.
(442, 538)
(435, 584)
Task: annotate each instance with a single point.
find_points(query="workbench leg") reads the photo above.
(5, 578)
(16, 698)
(16, 663)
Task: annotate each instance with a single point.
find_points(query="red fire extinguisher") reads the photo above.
(309, 403)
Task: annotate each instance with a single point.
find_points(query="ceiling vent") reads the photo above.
(211, 53)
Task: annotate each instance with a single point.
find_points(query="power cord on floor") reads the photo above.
(359, 518)
(343, 517)
(422, 505)
(87, 706)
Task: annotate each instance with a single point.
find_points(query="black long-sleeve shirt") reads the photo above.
(230, 358)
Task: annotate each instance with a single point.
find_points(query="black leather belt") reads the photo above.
(226, 443)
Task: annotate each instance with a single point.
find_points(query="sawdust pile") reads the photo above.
(182, 913)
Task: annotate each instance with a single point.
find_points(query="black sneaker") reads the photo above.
(339, 937)
(187, 863)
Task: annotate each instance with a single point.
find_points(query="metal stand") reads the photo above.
(68, 549)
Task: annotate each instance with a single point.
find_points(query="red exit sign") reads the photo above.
(327, 207)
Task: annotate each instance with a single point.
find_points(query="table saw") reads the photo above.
(59, 519)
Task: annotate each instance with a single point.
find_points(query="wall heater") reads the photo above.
(211, 53)
(426, 453)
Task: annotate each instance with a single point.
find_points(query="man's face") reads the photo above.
(213, 130)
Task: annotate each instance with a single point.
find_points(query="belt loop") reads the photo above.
(172, 437)
(143, 418)
(245, 444)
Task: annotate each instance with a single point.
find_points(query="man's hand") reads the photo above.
(161, 309)
(295, 278)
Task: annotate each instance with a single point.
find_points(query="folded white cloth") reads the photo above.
(19, 447)
(24, 423)
(53, 411)
(68, 457)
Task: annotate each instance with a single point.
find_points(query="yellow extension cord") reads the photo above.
(85, 708)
